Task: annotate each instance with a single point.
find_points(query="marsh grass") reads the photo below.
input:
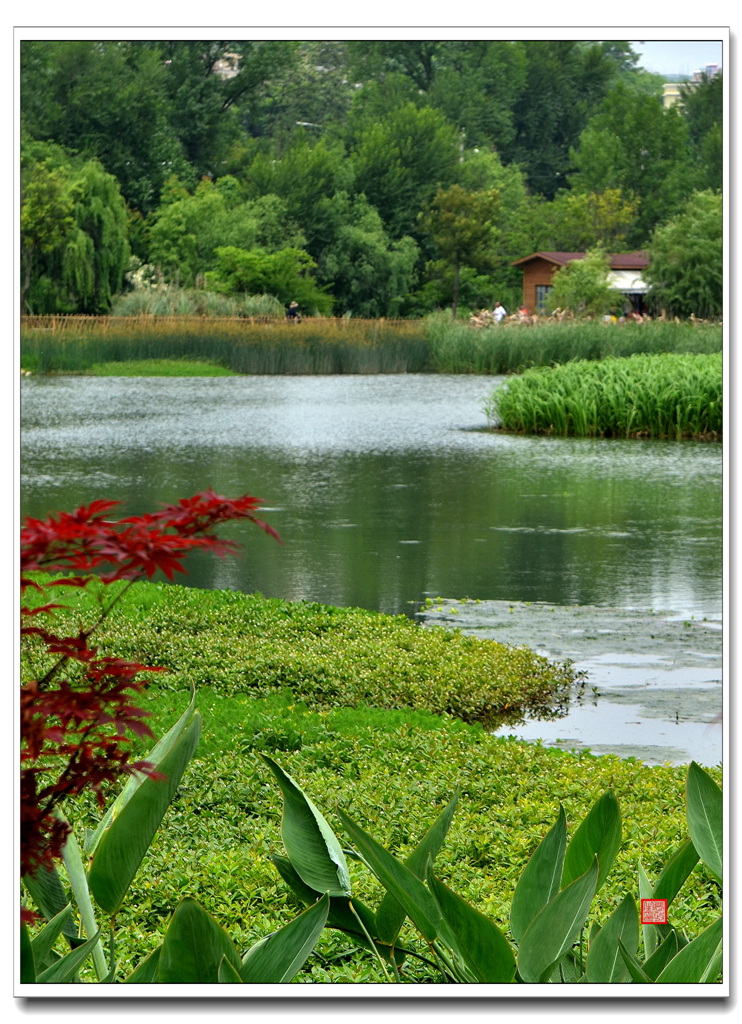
(248, 346)
(270, 345)
(458, 348)
(158, 368)
(663, 396)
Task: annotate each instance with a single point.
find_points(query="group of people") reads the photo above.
(499, 312)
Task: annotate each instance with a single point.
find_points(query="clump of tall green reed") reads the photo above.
(456, 347)
(670, 396)
(271, 346)
(193, 302)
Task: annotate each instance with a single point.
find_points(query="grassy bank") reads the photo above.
(672, 396)
(352, 705)
(320, 346)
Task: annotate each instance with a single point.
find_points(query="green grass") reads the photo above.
(670, 395)
(158, 368)
(323, 690)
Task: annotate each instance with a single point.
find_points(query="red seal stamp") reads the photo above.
(654, 911)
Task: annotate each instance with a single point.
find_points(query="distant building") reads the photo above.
(671, 90)
(539, 269)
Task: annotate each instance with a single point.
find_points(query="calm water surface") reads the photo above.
(387, 490)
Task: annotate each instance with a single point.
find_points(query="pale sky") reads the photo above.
(678, 56)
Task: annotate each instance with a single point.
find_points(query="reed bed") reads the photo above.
(257, 345)
(663, 396)
(262, 344)
(512, 347)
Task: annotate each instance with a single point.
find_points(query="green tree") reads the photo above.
(401, 161)
(576, 221)
(188, 228)
(564, 83)
(582, 286)
(285, 274)
(686, 268)
(74, 243)
(368, 273)
(702, 107)
(104, 100)
(463, 227)
(637, 146)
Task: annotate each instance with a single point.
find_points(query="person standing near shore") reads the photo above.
(293, 314)
(499, 312)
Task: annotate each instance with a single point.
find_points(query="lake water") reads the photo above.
(388, 490)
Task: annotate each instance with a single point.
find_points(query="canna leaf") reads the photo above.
(47, 892)
(123, 845)
(42, 943)
(598, 835)
(692, 965)
(64, 970)
(476, 940)
(391, 914)
(155, 756)
(193, 947)
(663, 954)
(635, 969)
(406, 887)
(277, 959)
(675, 872)
(145, 973)
(28, 964)
(705, 814)
(539, 882)
(227, 974)
(310, 843)
(556, 927)
(604, 961)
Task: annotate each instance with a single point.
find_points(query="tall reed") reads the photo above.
(259, 346)
(265, 344)
(669, 395)
(456, 347)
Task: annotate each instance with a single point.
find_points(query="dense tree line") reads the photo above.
(369, 178)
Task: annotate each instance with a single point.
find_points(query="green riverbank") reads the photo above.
(366, 712)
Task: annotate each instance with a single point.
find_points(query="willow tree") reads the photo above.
(74, 243)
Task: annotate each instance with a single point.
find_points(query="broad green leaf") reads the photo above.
(278, 958)
(539, 882)
(635, 969)
(650, 933)
(28, 965)
(311, 845)
(390, 915)
(227, 974)
(405, 886)
(46, 890)
(155, 756)
(598, 835)
(692, 964)
(705, 814)
(64, 970)
(663, 954)
(193, 947)
(478, 941)
(146, 972)
(340, 916)
(604, 961)
(42, 942)
(675, 872)
(79, 881)
(556, 927)
(122, 846)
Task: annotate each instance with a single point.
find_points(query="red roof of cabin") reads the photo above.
(619, 260)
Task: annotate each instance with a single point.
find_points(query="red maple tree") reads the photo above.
(77, 719)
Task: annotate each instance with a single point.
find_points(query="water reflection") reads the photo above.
(387, 489)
